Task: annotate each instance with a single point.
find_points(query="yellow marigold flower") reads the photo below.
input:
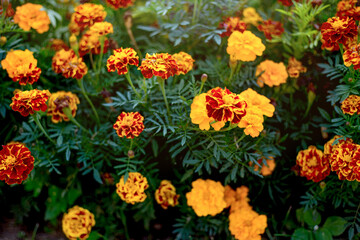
(250, 16)
(31, 15)
(27, 102)
(90, 41)
(267, 169)
(159, 64)
(198, 112)
(166, 195)
(120, 60)
(295, 67)
(16, 163)
(116, 4)
(129, 125)
(68, 64)
(184, 61)
(229, 196)
(133, 191)
(252, 124)
(244, 46)
(60, 100)
(246, 224)
(21, 66)
(206, 197)
(85, 15)
(241, 199)
(351, 105)
(257, 102)
(273, 74)
(77, 223)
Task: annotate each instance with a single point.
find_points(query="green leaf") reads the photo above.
(300, 215)
(301, 234)
(336, 225)
(94, 235)
(323, 234)
(312, 217)
(96, 176)
(72, 195)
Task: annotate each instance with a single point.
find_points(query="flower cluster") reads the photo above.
(272, 73)
(60, 100)
(232, 24)
(85, 15)
(21, 66)
(129, 125)
(238, 199)
(77, 223)
(91, 40)
(206, 197)
(266, 168)
(351, 105)
(159, 64)
(351, 56)
(16, 163)
(27, 102)
(250, 16)
(348, 8)
(184, 61)
(120, 60)
(133, 191)
(166, 195)
(116, 4)
(295, 67)
(30, 16)
(271, 28)
(68, 64)
(338, 30)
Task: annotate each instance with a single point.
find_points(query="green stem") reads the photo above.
(92, 62)
(131, 144)
(194, 11)
(241, 138)
(36, 118)
(81, 85)
(201, 87)
(162, 87)
(68, 113)
(102, 42)
(127, 75)
(123, 220)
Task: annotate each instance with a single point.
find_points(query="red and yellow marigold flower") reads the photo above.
(338, 30)
(129, 125)
(351, 105)
(244, 46)
(68, 64)
(85, 15)
(295, 67)
(250, 16)
(273, 74)
(60, 100)
(74, 28)
(28, 102)
(267, 169)
(313, 164)
(348, 8)
(166, 195)
(91, 40)
(184, 61)
(16, 163)
(133, 191)
(158, 64)
(351, 57)
(77, 223)
(206, 197)
(58, 44)
(116, 4)
(330, 146)
(30, 16)
(232, 24)
(271, 28)
(21, 66)
(120, 60)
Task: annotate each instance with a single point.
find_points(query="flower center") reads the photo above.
(313, 162)
(338, 24)
(10, 160)
(228, 100)
(347, 158)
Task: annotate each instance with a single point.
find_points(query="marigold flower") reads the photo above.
(351, 57)
(159, 64)
(252, 124)
(166, 195)
(330, 146)
(271, 28)
(31, 15)
(184, 61)
(198, 112)
(58, 44)
(244, 46)
(60, 100)
(85, 15)
(351, 105)
(241, 199)
(257, 103)
(116, 4)
(120, 60)
(295, 67)
(68, 64)
(348, 8)
(229, 196)
(74, 28)
(129, 125)
(330, 46)
(232, 24)
(338, 30)
(133, 191)
(27, 102)
(273, 74)
(313, 165)
(267, 169)
(21, 66)
(16, 163)
(90, 41)
(250, 16)
(77, 223)
(287, 3)
(206, 197)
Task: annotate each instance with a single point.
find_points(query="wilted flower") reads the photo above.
(31, 15)
(273, 74)
(85, 15)
(184, 61)
(77, 223)
(338, 30)
(232, 24)
(133, 191)
(250, 16)
(120, 60)
(116, 4)
(159, 64)
(351, 105)
(27, 102)
(295, 67)
(129, 125)
(271, 28)
(60, 100)
(68, 64)
(166, 195)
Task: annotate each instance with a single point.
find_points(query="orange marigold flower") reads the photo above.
(159, 64)
(257, 103)
(206, 197)
(351, 57)
(295, 67)
(232, 24)
(60, 100)
(244, 46)
(345, 161)
(273, 74)
(348, 8)
(58, 44)
(77, 223)
(31, 15)
(313, 164)
(229, 196)
(351, 105)
(250, 16)
(198, 113)
(116, 4)
(120, 60)
(68, 64)
(85, 15)
(129, 125)
(133, 191)
(16, 163)
(90, 41)
(246, 224)
(252, 124)
(27, 102)
(267, 169)
(184, 61)
(166, 195)
(338, 30)
(21, 66)
(241, 199)
(271, 28)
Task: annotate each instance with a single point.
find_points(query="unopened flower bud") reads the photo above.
(74, 43)
(204, 77)
(322, 185)
(128, 19)
(131, 154)
(2, 40)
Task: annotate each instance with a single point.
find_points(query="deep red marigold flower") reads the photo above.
(27, 102)
(158, 64)
(287, 3)
(129, 125)
(16, 163)
(166, 195)
(338, 30)
(116, 4)
(348, 8)
(184, 61)
(271, 28)
(351, 57)
(313, 165)
(223, 105)
(232, 24)
(68, 64)
(120, 60)
(351, 105)
(85, 15)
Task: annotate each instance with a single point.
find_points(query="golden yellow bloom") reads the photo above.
(133, 191)
(77, 223)
(198, 113)
(68, 64)
(252, 124)
(351, 105)
(166, 195)
(229, 196)
(90, 41)
(251, 16)
(273, 74)
(206, 197)
(31, 16)
(184, 61)
(85, 15)
(60, 100)
(265, 170)
(244, 46)
(241, 199)
(257, 103)
(295, 67)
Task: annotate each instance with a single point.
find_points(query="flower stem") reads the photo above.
(67, 112)
(81, 85)
(127, 75)
(36, 118)
(131, 143)
(162, 88)
(102, 42)
(201, 87)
